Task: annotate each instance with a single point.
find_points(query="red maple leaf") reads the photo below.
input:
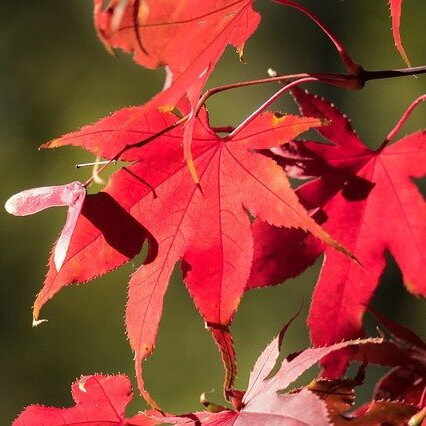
(187, 37)
(368, 201)
(100, 400)
(206, 226)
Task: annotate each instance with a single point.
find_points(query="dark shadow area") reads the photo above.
(120, 229)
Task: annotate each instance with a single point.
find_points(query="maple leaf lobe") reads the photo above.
(362, 194)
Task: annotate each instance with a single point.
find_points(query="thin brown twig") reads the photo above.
(345, 81)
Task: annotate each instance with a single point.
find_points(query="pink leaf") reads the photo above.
(33, 200)
(264, 403)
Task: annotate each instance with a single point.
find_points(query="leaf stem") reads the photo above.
(346, 81)
(350, 65)
(365, 76)
(268, 102)
(402, 121)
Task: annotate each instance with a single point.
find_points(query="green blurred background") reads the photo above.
(55, 76)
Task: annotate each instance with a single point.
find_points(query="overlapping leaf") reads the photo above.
(206, 226)
(380, 413)
(358, 194)
(339, 397)
(405, 351)
(186, 36)
(103, 399)
(402, 384)
(264, 403)
(368, 200)
(99, 400)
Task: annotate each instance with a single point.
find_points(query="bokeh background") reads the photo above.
(54, 77)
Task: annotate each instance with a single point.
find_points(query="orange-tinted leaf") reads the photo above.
(99, 400)
(188, 37)
(338, 395)
(395, 398)
(112, 134)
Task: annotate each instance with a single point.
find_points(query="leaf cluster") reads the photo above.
(219, 202)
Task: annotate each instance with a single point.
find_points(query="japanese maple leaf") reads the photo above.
(156, 32)
(368, 201)
(99, 400)
(264, 401)
(186, 36)
(395, 9)
(206, 225)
